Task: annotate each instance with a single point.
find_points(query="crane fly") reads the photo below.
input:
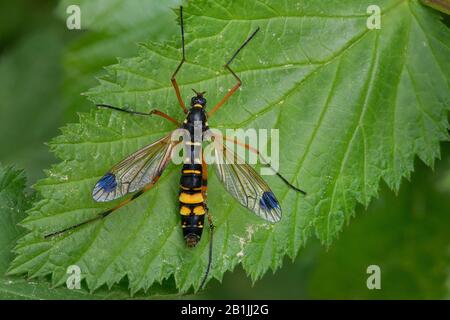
(137, 173)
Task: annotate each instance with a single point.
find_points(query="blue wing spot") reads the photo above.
(108, 182)
(268, 201)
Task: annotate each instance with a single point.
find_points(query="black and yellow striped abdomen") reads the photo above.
(192, 203)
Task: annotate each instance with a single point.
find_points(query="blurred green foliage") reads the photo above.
(43, 70)
(30, 81)
(115, 27)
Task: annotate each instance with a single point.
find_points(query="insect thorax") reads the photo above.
(195, 117)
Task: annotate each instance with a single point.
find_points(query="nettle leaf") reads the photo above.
(13, 203)
(353, 106)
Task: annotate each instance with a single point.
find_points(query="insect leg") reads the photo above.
(103, 214)
(265, 162)
(152, 112)
(239, 82)
(183, 59)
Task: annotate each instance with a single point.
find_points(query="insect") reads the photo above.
(137, 173)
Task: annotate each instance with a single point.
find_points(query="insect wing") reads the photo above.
(245, 185)
(136, 171)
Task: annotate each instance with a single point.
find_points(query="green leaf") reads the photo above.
(353, 106)
(13, 203)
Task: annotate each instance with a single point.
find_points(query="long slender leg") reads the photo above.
(239, 82)
(105, 213)
(265, 162)
(173, 79)
(211, 225)
(152, 112)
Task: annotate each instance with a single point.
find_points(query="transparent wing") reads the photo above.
(136, 171)
(245, 185)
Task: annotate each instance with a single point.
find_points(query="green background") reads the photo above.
(43, 69)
